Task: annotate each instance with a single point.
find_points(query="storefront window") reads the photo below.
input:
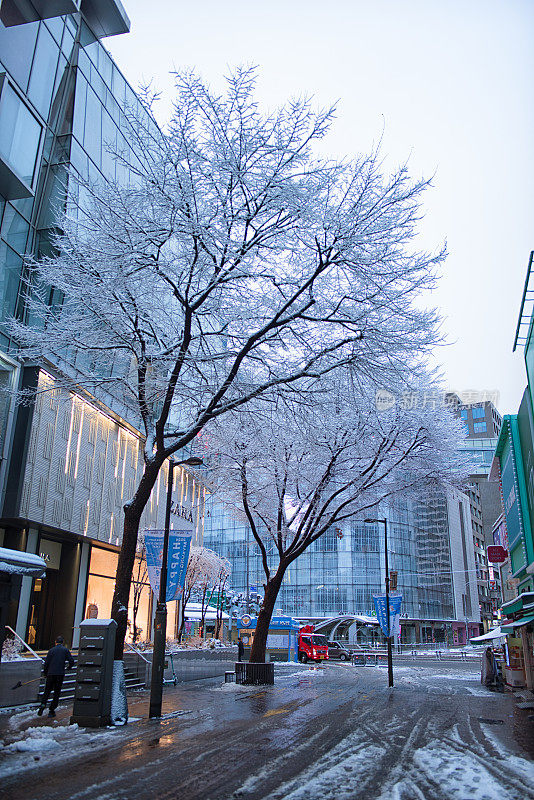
(101, 583)
(100, 588)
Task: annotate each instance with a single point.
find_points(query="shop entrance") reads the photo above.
(44, 598)
(53, 597)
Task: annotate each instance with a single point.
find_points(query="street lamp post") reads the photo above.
(388, 636)
(160, 621)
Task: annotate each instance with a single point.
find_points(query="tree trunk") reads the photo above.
(257, 653)
(123, 578)
(182, 619)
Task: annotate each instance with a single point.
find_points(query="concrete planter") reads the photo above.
(11, 672)
(254, 674)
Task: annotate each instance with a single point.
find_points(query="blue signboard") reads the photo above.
(395, 601)
(248, 622)
(177, 558)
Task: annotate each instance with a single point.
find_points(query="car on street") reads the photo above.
(337, 650)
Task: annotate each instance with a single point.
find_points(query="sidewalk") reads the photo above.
(27, 740)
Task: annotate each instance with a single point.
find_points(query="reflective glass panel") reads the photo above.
(20, 134)
(16, 50)
(14, 229)
(93, 127)
(55, 25)
(43, 72)
(9, 279)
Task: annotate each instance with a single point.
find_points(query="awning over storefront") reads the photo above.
(517, 623)
(18, 563)
(518, 603)
(193, 611)
(496, 633)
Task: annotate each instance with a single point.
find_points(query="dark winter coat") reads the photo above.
(55, 660)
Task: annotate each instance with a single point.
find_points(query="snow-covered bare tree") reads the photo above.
(295, 472)
(139, 584)
(232, 262)
(204, 569)
(216, 570)
(223, 575)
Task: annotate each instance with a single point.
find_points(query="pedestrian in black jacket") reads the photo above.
(54, 669)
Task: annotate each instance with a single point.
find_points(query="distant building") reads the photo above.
(482, 420)
(429, 547)
(482, 425)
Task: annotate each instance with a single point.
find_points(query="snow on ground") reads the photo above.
(233, 687)
(19, 719)
(523, 767)
(338, 774)
(23, 750)
(309, 674)
(467, 776)
(449, 767)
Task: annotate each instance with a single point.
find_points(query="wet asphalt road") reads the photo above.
(334, 732)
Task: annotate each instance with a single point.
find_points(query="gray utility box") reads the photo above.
(94, 675)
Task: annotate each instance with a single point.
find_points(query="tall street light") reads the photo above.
(160, 621)
(388, 636)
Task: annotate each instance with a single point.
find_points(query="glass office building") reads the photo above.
(428, 548)
(69, 462)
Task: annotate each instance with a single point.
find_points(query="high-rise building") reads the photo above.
(67, 462)
(429, 547)
(483, 425)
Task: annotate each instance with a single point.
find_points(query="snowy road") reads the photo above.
(336, 732)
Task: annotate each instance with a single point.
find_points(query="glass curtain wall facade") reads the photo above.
(63, 109)
(66, 465)
(342, 570)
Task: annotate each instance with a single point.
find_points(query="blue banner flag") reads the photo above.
(395, 601)
(177, 558)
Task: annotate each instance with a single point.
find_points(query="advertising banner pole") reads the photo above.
(387, 631)
(388, 615)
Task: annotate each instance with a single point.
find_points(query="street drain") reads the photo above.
(491, 721)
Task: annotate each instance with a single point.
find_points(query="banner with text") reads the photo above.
(395, 601)
(177, 558)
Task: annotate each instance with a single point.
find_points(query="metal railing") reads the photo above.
(376, 657)
(21, 640)
(137, 652)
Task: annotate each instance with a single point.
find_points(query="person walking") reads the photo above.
(240, 650)
(54, 670)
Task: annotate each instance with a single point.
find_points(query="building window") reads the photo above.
(463, 413)
(479, 427)
(20, 139)
(478, 413)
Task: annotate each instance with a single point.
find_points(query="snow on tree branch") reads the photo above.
(228, 262)
(293, 472)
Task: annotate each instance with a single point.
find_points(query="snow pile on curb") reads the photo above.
(235, 687)
(47, 741)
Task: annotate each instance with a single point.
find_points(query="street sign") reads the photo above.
(393, 579)
(497, 554)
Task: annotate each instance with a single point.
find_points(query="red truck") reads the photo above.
(312, 646)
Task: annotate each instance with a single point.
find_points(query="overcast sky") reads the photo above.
(446, 83)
